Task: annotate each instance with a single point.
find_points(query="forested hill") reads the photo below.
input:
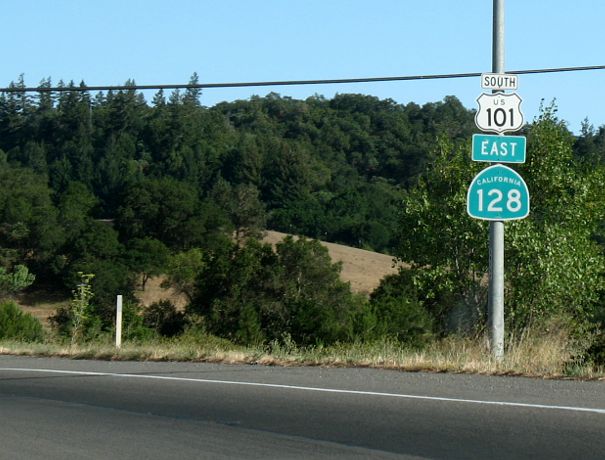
(171, 174)
(333, 169)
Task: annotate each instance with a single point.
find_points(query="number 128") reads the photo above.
(495, 198)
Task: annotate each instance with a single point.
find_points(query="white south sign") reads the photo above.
(499, 81)
(499, 113)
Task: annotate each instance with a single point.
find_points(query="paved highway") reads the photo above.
(57, 409)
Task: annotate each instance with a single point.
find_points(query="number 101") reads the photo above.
(499, 117)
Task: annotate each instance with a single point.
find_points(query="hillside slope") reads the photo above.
(363, 269)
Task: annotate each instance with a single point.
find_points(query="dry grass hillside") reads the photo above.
(363, 269)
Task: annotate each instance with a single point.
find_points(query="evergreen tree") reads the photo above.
(192, 95)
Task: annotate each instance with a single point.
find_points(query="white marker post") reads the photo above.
(119, 322)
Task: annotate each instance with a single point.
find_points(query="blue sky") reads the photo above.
(154, 41)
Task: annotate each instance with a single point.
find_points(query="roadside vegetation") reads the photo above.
(542, 357)
(99, 194)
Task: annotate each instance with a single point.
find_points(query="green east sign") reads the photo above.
(498, 149)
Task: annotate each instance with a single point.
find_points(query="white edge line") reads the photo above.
(303, 388)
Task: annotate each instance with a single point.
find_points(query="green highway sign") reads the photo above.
(498, 193)
(498, 149)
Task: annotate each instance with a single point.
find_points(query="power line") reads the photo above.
(339, 81)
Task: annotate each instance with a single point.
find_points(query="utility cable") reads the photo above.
(41, 89)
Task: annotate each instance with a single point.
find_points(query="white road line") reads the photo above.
(303, 388)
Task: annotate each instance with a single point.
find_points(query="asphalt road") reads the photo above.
(58, 409)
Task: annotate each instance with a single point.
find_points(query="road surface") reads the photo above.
(57, 409)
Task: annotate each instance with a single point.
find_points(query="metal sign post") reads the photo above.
(495, 307)
(498, 193)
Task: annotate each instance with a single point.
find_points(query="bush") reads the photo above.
(63, 321)
(553, 266)
(252, 294)
(15, 281)
(164, 318)
(17, 325)
(596, 352)
(394, 312)
(110, 279)
(133, 323)
(76, 320)
(402, 319)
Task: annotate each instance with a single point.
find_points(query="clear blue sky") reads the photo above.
(155, 41)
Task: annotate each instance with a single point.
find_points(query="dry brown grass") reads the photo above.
(363, 269)
(41, 303)
(540, 357)
(154, 292)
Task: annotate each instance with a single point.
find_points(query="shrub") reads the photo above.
(110, 278)
(164, 318)
(394, 312)
(252, 294)
(15, 281)
(553, 266)
(596, 351)
(17, 325)
(133, 323)
(402, 319)
(76, 321)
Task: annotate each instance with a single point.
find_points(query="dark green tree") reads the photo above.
(146, 256)
(243, 207)
(163, 209)
(29, 231)
(251, 293)
(192, 95)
